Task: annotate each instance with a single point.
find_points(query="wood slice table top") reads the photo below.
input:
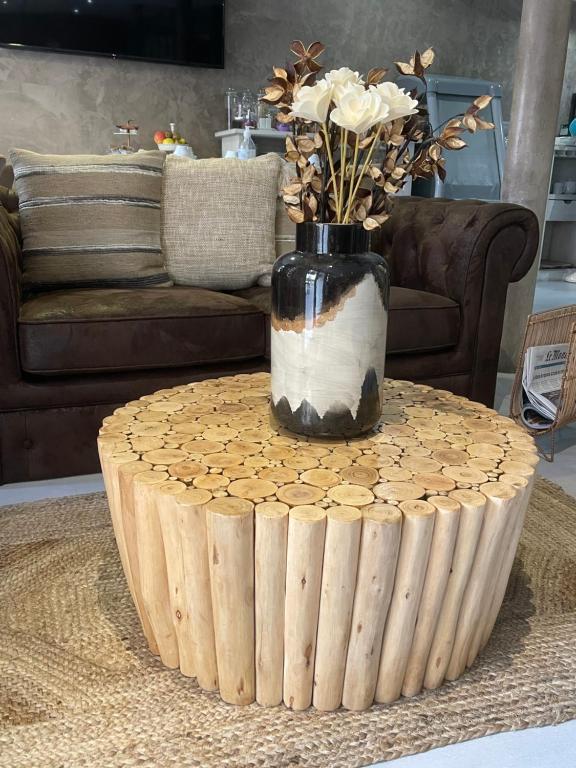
(215, 437)
(440, 486)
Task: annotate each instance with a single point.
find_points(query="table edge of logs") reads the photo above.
(278, 568)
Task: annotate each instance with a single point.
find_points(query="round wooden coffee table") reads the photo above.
(275, 568)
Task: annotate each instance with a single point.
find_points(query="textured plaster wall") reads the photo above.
(61, 103)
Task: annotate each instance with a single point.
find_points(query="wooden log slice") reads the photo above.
(465, 474)
(301, 463)
(485, 451)
(433, 481)
(299, 495)
(279, 475)
(351, 495)
(399, 491)
(517, 468)
(211, 482)
(322, 478)
(395, 473)
(361, 475)
(252, 489)
(450, 457)
(526, 457)
(336, 461)
(420, 464)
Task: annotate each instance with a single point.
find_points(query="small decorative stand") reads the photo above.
(276, 568)
(558, 326)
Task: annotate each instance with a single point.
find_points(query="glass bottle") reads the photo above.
(247, 148)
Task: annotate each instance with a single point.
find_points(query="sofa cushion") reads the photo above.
(90, 221)
(66, 332)
(218, 220)
(418, 321)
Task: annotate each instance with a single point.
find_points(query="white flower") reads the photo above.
(400, 103)
(359, 110)
(339, 79)
(312, 102)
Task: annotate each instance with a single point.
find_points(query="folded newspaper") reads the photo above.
(542, 383)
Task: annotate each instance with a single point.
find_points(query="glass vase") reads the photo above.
(328, 338)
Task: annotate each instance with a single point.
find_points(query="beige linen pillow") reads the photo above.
(90, 221)
(218, 219)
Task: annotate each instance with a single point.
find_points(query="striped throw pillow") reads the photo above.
(90, 221)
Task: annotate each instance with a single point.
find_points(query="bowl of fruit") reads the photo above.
(167, 141)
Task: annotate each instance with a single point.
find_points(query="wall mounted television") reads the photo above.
(189, 32)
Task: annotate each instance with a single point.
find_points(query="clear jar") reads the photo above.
(231, 99)
(264, 113)
(249, 109)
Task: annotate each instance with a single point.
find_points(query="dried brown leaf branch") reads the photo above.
(337, 176)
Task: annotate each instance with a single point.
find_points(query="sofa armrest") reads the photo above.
(468, 251)
(442, 246)
(10, 271)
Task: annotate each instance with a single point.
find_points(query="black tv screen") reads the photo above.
(176, 31)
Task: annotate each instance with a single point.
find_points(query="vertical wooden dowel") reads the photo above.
(153, 572)
(439, 564)
(306, 530)
(231, 551)
(112, 485)
(181, 618)
(483, 607)
(499, 498)
(111, 464)
(342, 543)
(379, 544)
(524, 488)
(472, 505)
(417, 528)
(270, 589)
(191, 519)
(126, 474)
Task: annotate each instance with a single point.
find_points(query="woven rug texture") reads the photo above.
(78, 687)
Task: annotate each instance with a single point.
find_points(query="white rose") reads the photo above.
(312, 102)
(339, 79)
(400, 103)
(359, 110)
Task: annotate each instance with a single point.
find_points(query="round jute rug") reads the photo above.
(78, 687)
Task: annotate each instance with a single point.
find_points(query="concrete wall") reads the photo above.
(60, 103)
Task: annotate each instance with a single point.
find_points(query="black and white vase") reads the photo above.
(329, 319)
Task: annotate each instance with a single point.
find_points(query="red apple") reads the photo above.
(159, 137)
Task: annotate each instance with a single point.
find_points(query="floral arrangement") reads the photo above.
(343, 122)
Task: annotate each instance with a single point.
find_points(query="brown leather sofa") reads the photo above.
(69, 358)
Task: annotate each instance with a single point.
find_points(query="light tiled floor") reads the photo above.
(551, 747)
(551, 294)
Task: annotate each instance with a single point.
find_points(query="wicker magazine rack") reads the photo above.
(557, 326)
